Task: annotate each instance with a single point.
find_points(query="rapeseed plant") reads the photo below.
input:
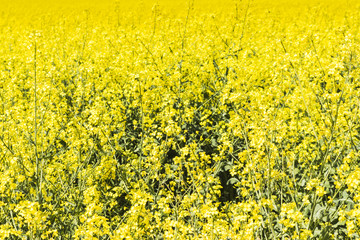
(199, 119)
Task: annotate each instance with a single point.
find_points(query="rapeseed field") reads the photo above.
(179, 119)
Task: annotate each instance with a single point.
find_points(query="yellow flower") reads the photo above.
(320, 191)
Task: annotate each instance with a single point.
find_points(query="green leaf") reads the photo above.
(228, 167)
(232, 181)
(213, 142)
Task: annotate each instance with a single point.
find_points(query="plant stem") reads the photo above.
(38, 185)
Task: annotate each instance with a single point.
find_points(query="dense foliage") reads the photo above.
(194, 120)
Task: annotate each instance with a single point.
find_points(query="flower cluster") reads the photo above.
(192, 120)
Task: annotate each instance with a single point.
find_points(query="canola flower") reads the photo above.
(179, 120)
